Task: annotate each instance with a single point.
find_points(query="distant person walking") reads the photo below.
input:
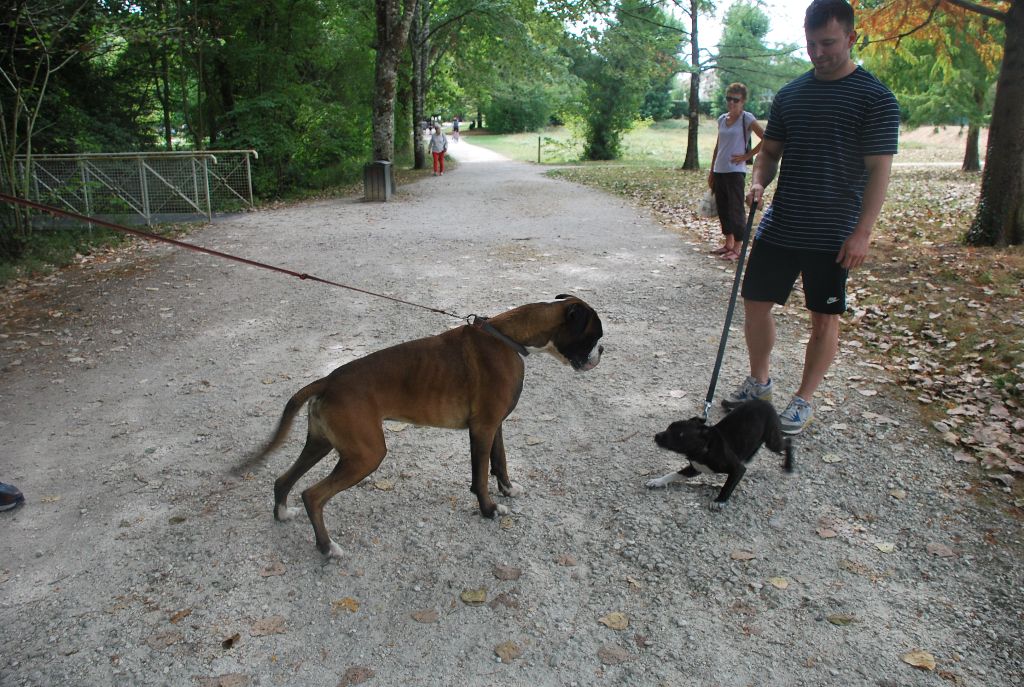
(835, 130)
(438, 147)
(455, 129)
(729, 168)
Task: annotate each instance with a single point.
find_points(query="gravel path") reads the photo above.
(131, 384)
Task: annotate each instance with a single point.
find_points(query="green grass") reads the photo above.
(661, 144)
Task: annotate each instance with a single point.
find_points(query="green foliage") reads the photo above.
(745, 58)
(637, 49)
(947, 83)
(520, 108)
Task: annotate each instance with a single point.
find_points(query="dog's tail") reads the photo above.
(291, 409)
(787, 465)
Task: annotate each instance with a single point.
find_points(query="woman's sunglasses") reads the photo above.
(732, 99)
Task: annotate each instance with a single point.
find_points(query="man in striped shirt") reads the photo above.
(835, 130)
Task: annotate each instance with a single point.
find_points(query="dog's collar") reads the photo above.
(482, 323)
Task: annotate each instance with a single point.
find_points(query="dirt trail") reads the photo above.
(130, 385)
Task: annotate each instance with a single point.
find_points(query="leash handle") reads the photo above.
(729, 313)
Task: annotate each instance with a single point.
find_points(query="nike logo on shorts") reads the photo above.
(832, 299)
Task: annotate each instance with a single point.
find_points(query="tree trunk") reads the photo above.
(972, 160)
(420, 50)
(999, 220)
(692, 160)
(393, 22)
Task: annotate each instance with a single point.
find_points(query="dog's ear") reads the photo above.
(562, 296)
(577, 317)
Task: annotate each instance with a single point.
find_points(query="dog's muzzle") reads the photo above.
(590, 362)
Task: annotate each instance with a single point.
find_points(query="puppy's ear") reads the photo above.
(562, 296)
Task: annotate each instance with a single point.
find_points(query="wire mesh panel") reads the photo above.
(142, 188)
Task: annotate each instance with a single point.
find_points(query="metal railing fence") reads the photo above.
(142, 188)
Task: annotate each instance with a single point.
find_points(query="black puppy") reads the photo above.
(725, 447)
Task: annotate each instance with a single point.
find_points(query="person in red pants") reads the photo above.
(438, 147)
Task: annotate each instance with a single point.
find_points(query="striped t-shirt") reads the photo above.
(827, 127)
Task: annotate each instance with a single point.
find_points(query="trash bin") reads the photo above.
(378, 180)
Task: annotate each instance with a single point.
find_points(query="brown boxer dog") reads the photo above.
(469, 377)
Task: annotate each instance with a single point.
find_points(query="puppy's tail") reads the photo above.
(787, 464)
(291, 409)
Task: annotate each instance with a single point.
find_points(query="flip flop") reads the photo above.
(721, 250)
(731, 256)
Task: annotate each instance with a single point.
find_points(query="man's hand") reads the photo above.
(854, 251)
(756, 195)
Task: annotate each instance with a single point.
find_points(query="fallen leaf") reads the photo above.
(741, 555)
(507, 651)
(940, 550)
(962, 457)
(633, 582)
(273, 570)
(533, 441)
(831, 458)
(615, 621)
(779, 582)
(226, 680)
(920, 659)
(841, 618)
(826, 533)
(274, 625)
(855, 567)
(611, 654)
(384, 485)
(566, 560)
(181, 615)
(885, 547)
(899, 494)
(426, 617)
(356, 675)
(162, 640)
(474, 597)
(1007, 480)
(507, 572)
(393, 426)
(347, 604)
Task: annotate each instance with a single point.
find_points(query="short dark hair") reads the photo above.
(820, 11)
(737, 87)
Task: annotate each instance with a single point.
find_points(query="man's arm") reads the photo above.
(765, 168)
(855, 249)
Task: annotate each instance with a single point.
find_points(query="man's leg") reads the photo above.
(821, 351)
(759, 332)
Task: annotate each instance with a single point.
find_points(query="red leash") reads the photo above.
(209, 251)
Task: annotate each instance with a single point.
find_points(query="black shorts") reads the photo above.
(772, 272)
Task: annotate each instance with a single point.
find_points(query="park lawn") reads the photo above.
(943, 320)
(648, 144)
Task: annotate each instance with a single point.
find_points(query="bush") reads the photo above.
(522, 109)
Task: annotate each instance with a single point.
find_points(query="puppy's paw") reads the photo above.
(501, 510)
(718, 505)
(284, 514)
(334, 551)
(663, 481)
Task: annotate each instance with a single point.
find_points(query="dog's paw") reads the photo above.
(501, 510)
(514, 491)
(334, 551)
(284, 514)
(655, 484)
(718, 505)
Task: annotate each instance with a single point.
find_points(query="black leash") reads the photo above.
(729, 312)
(209, 251)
